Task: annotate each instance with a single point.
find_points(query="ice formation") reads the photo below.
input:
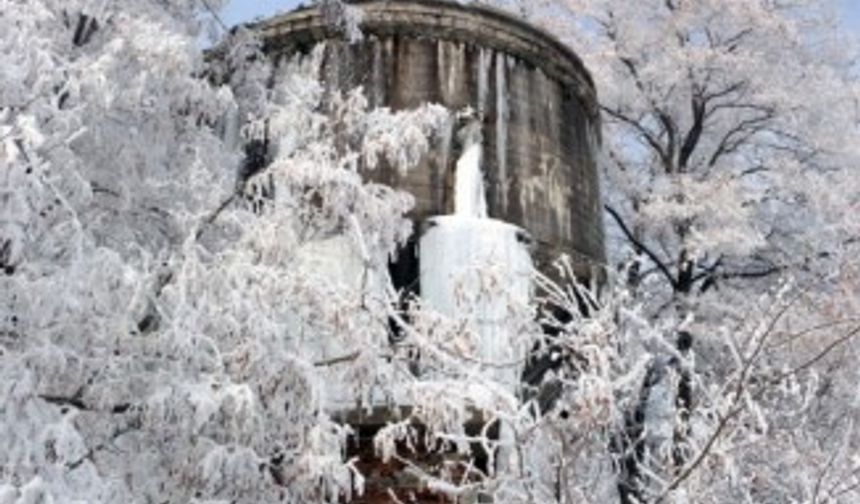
(470, 198)
(478, 268)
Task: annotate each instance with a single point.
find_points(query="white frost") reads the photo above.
(470, 198)
(478, 266)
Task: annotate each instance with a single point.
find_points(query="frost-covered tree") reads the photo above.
(730, 169)
(722, 118)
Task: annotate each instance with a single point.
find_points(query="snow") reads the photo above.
(336, 263)
(332, 260)
(478, 267)
(470, 198)
(660, 409)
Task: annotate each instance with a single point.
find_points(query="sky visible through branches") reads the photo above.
(239, 11)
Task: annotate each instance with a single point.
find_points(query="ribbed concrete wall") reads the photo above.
(535, 100)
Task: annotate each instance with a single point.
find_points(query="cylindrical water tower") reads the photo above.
(534, 99)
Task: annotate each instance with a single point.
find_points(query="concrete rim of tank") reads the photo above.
(446, 20)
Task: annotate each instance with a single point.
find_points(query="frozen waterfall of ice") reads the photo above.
(477, 268)
(470, 198)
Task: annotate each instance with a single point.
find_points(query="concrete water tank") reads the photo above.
(534, 99)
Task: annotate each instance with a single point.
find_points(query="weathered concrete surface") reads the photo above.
(535, 100)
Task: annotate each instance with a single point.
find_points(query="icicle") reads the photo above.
(442, 66)
(378, 91)
(502, 127)
(469, 194)
(458, 63)
(483, 80)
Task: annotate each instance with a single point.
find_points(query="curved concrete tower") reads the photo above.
(532, 98)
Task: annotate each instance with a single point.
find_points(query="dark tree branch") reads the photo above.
(628, 63)
(752, 274)
(711, 274)
(214, 15)
(691, 140)
(640, 247)
(77, 403)
(816, 358)
(84, 30)
(647, 135)
(338, 360)
(732, 43)
(74, 402)
(739, 134)
(736, 87)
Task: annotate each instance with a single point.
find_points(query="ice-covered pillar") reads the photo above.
(335, 265)
(478, 268)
